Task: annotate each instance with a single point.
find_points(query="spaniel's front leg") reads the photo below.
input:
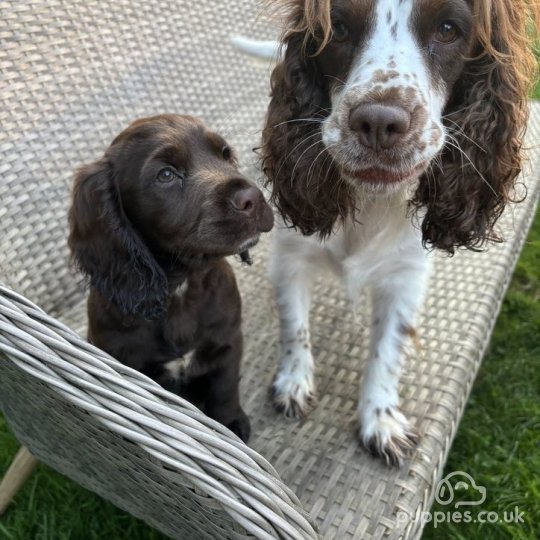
(384, 429)
(218, 358)
(293, 387)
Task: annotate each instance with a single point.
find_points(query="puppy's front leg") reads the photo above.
(218, 388)
(293, 388)
(384, 430)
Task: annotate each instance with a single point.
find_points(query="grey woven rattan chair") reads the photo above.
(72, 75)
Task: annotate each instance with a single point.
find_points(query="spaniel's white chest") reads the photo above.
(379, 241)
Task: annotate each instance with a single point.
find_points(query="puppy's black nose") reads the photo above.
(247, 200)
(378, 125)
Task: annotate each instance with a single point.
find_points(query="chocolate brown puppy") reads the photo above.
(151, 223)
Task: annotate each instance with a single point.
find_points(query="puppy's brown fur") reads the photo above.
(151, 223)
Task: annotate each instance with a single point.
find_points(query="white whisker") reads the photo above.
(464, 154)
(307, 120)
(305, 139)
(300, 157)
(457, 129)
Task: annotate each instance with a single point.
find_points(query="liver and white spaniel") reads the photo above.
(394, 126)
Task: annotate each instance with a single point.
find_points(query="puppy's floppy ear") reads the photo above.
(306, 185)
(485, 119)
(106, 248)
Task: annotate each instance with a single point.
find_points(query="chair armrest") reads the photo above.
(187, 450)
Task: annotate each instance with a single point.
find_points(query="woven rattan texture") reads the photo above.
(75, 73)
(72, 75)
(161, 494)
(119, 434)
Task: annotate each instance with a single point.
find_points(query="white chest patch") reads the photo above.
(177, 367)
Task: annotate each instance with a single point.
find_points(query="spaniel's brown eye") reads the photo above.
(340, 32)
(167, 174)
(226, 153)
(446, 33)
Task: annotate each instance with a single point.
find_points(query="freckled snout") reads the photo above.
(249, 201)
(379, 126)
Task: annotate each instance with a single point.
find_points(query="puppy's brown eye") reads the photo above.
(226, 153)
(167, 174)
(446, 33)
(340, 32)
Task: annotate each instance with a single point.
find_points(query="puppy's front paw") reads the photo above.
(241, 426)
(293, 394)
(388, 434)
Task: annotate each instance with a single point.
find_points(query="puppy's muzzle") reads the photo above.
(250, 203)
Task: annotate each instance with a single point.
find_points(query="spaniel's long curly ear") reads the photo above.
(106, 248)
(485, 120)
(306, 186)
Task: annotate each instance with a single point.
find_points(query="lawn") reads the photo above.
(498, 442)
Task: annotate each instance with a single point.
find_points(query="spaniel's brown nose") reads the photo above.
(379, 126)
(247, 200)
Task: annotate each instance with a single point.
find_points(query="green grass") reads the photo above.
(536, 91)
(498, 442)
(51, 507)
